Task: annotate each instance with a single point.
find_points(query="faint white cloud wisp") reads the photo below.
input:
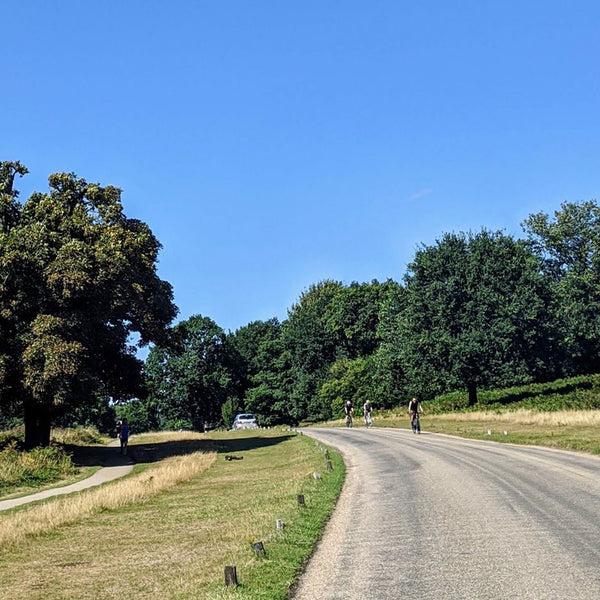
(418, 195)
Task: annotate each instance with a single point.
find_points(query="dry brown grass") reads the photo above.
(527, 417)
(175, 544)
(47, 517)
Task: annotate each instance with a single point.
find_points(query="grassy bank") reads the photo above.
(23, 472)
(575, 393)
(174, 542)
(567, 430)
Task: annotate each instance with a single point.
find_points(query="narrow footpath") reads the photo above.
(115, 466)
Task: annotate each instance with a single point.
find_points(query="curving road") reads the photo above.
(438, 517)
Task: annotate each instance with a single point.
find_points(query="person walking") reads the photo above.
(124, 436)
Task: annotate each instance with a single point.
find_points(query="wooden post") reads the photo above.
(230, 576)
(329, 465)
(259, 548)
(326, 454)
(301, 500)
(279, 524)
(316, 476)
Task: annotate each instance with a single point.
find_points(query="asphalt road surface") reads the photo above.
(436, 517)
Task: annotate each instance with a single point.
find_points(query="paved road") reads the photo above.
(116, 466)
(437, 517)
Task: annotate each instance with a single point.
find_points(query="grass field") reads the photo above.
(137, 538)
(568, 430)
(169, 529)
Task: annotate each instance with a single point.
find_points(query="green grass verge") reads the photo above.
(176, 544)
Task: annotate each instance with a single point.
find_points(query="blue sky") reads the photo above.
(270, 145)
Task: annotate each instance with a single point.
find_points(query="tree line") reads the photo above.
(476, 310)
(79, 293)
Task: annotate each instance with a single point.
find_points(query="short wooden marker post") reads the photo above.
(301, 500)
(329, 466)
(230, 576)
(259, 548)
(326, 454)
(279, 524)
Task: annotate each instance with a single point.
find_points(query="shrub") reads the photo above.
(576, 393)
(77, 436)
(34, 467)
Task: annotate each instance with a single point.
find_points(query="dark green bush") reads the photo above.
(576, 393)
(32, 468)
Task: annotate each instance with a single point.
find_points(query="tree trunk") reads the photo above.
(37, 425)
(472, 389)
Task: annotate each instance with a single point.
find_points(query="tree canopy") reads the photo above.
(475, 314)
(77, 281)
(569, 245)
(79, 293)
(190, 380)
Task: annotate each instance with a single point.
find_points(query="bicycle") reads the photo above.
(415, 423)
(348, 420)
(368, 420)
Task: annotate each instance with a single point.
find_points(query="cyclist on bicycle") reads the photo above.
(414, 409)
(367, 412)
(348, 410)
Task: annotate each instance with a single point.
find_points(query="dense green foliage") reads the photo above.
(32, 468)
(474, 312)
(569, 246)
(573, 393)
(190, 381)
(77, 281)
(475, 316)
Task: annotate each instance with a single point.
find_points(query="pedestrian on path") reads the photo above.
(124, 436)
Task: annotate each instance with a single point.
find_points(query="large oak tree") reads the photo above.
(78, 281)
(476, 314)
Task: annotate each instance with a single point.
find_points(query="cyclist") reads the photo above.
(414, 409)
(367, 410)
(348, 410)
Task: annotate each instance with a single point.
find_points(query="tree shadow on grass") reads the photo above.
(105, 456)
(245, 444)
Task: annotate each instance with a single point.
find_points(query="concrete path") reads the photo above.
(115, 466)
